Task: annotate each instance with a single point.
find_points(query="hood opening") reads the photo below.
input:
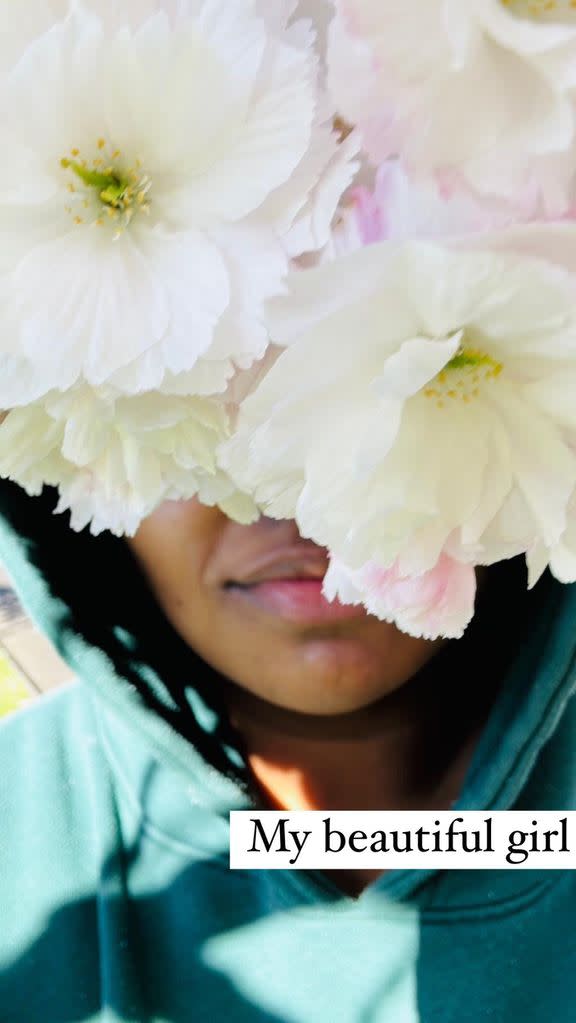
(89, 596)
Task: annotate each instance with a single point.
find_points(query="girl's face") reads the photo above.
(248, 600)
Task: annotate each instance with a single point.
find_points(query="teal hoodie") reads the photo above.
(116, 899)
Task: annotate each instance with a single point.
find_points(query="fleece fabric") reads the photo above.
(116, 899)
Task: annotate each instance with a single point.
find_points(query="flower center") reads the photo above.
(546, 10)
(105, 189)
(464, 377)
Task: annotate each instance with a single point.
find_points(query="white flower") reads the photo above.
(154, 177)
(23, 22)
(115, 460)
(482, 86)
(559, 558)
(439, 603)
(424, 404)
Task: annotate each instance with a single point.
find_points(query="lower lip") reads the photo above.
(297, 600)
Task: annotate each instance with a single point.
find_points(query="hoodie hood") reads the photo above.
(89, 598)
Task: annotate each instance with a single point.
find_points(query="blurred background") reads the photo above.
(29, 666)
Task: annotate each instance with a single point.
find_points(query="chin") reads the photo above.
(334, 677)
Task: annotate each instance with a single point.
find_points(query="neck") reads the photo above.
(409, 751)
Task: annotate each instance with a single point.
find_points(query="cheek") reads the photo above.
(173, 547)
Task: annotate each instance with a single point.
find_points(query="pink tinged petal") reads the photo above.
(520, 106)
(439, 603)
(389, 211)
(422, 556)
(436, 604)
(369, 215)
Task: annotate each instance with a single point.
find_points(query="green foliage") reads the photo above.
(14, 692)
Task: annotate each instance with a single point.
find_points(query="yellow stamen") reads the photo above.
(464, 377)
(105, 183)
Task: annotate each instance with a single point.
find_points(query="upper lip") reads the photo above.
(288, 563)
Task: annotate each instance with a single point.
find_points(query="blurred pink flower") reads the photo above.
(483, 88)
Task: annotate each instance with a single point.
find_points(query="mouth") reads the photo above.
(291, 589)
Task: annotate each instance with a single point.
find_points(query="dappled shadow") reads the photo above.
(145, 958)
(142, 951)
